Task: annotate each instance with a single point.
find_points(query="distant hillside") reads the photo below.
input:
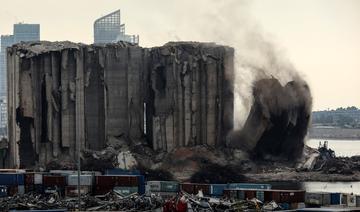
(341, 117)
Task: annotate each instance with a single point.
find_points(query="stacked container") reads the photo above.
(318, 198)
(194, 188)
(86, 182)
(217, 190)
(33, 182)
(165, 189)
(14, 183)
(123, 183)
(53, 183)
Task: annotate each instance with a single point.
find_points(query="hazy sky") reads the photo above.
(320, 37)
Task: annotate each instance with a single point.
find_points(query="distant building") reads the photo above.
(6, 41)
(3, 117)
(21, 32)
(108, 29)
(26, 32)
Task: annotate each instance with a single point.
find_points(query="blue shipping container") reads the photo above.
(217, 189)
(121, 172)
(141, 184)
(248, 186)
(11, 179)
(3, 191)
(335, 198)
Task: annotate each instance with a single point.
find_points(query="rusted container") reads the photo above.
(284, 196)
(12, 190)
(249, 194)
(113, 181)
(29, 179)
(54, 180)
(187, 187)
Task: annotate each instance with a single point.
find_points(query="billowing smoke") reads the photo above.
(272, 101)
(278, 120)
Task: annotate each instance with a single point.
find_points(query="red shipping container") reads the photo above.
(113, 181)
(187, 187)
(205, 188)
(194, 188)
(53, 180)
(29, 178)
(284, 196)
(249, 194)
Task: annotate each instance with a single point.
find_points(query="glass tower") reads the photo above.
(108, 29)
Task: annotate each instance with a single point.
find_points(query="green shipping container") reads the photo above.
(169, 186)
(125, 191)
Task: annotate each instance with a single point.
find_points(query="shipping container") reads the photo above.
(117, 180)
(166, 195)
(106, 183)
(335, 198)
(63, 172)
(358, 201)
(217, 190)
(29, 178)
(85, 180)
(260, 195)
(126, 191)
(162, 186)
(141, 184)
(72, 191)
(194, 188)
(53, 180)
(318, 198)
(121, 172)
(3, 191)
(38, 178)
(351, 200)
(248, 186)
(12, 190)
(11, 179)
(21, 189)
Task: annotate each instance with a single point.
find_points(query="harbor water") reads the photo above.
(345, 148)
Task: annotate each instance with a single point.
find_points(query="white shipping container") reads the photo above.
(38, 179)
(85, 180)
(152, 186)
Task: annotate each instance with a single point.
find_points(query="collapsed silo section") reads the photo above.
(191, 95)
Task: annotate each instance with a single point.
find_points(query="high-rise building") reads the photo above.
(21, 32)
(6, 41)
(3, 117)
(108, 29)
(26, 32)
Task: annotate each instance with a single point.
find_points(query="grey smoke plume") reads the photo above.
(257, 56)
(270, 95)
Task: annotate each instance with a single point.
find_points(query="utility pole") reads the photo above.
(79, 171)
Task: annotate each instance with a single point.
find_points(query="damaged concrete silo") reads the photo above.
(191, 95)
(62, 94)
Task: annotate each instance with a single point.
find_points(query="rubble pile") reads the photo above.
(108, 202)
